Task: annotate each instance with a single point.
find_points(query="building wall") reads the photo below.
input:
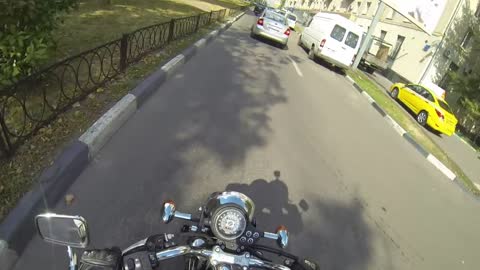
(418, 48)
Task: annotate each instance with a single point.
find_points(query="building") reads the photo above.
(414, 56)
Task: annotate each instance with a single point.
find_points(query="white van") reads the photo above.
(333, 38)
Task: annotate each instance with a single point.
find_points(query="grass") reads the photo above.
(409, 124)
(94, 23)
(18, 173)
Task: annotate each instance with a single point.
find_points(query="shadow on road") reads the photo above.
(194, 132)
(275, 210)
(332, 233)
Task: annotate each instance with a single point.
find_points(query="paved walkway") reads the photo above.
(462, 153)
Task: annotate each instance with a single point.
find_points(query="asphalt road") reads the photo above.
(353, 193)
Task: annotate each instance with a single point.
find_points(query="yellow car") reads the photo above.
(430, 110)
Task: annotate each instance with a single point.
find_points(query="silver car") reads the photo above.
(273, 26)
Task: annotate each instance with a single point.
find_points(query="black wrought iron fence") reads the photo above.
(184, 27)
(35, 101)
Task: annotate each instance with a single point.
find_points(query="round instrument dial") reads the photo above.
(229, 223)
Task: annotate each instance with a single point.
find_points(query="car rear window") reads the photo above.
(352, 40)
(444, 105)
(291, 17)
(275, 17)
(338, 32)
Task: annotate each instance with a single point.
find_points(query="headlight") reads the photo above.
(229, 223)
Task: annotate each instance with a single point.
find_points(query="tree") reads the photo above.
(26, 34)
(464, 40)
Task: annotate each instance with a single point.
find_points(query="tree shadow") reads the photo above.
(201, 122)
(332, 233)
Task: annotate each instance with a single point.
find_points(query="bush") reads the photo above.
(25, 36)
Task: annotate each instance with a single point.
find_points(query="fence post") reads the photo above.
(5, 145)
(210, 18)
(170, 31)
(198, 22)
(123, 52)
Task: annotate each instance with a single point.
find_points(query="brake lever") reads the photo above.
(258, 254)
(275, 251)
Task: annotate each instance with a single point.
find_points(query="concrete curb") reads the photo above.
(17, 228)
(428, 156)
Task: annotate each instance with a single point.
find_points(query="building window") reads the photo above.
(359, 4)
(367, 8)
(383, 34)
(389, 13)
(398, 47)
(466, 39)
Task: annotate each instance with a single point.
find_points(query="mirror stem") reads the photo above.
(72, 257)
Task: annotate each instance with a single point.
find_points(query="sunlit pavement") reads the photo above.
(353, 193)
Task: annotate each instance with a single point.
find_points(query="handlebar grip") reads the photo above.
(182, 215)
(281, 236)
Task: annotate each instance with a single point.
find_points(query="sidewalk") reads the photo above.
(463, 154)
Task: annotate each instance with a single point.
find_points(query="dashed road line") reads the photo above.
(297, 69)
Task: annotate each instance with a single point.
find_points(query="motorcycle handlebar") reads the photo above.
(217, 256)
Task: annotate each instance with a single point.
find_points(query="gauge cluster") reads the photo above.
(229, 223)
(231, 226)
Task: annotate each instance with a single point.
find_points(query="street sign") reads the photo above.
(423, 13)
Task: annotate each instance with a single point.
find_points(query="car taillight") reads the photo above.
(260, 22)
(322, 43)
(440, 114)
(287, 32)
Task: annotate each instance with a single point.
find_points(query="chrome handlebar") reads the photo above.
(169, 212)
(217, 257)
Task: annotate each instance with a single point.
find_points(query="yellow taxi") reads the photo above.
(430, 109)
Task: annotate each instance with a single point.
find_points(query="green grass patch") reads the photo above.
(95, 23)
(411, 126)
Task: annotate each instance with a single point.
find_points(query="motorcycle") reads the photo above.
(222, 236)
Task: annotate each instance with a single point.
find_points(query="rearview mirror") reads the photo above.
(63, 230)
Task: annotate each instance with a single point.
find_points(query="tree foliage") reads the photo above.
(26, 34)
(464, 39)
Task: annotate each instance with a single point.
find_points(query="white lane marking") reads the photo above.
(395, 125)
(437, 163)
(350, 79)
(369, 98)
(297, 69)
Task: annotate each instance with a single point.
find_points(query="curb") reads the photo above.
(428, 156)
(17, 228)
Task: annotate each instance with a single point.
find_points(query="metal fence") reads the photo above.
(35, 101)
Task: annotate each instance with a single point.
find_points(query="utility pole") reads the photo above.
(368, 37)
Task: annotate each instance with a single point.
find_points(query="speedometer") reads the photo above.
(229, 223)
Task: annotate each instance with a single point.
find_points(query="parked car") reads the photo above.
(291, 20)
(259, 8)
(272, 25)
(429, 109)
(333, 38)
(282, 11)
